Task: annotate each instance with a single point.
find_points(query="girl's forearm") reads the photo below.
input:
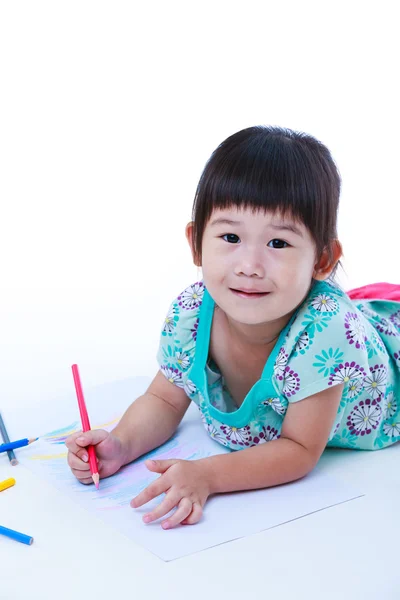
(267, 465)
(146, 424)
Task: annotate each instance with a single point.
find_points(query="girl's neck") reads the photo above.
(259, 336)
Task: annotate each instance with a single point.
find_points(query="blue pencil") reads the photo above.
(11, 456)
(17, 444)
(16, 535)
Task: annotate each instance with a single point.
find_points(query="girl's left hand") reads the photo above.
(185, 483)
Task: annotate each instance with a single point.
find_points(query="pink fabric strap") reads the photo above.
(373, 291)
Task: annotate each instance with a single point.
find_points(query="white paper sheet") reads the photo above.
(226, 517)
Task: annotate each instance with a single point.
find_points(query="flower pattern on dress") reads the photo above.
(169, 352)
(173, 375)
(395, 319)
(345, 439)
(391, 429)
(389, 407)
(215, 434)
(328, 360)
(170, 320)
(203, 417)
(189, 388)
(386, 327)
(354, 389)
(355, 331)
(218, 397)
(344, 373)
(375, 383)
(274, 403)
(237, 435)
(397, 356)
(194, 329)
(374, 345)
(370, 348)
(202, 406)
(324, 303)
(377, 341)
(316, 323)
(183, 360)
(280, 364)
(302, 344)
(364, 417)
(367, 312)
(291, 382)
(192, 296)
(267, 434)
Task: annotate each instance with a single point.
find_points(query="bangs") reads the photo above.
(271, 169)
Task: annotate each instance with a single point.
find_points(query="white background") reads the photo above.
(109, 111)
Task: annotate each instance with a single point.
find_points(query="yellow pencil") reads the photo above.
(7, 483)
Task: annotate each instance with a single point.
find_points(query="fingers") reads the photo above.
(79, 440)
(71, 444)
(160, 466)
(152, 491)
(170, 501)
(182, 512)
(78, 458)
(76, 464)
(82, 474)
(195, 515)
(86, 481)
(187, 513)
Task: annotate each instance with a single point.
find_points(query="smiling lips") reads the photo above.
(243, 293)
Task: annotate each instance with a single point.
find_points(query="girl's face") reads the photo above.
(258, 267)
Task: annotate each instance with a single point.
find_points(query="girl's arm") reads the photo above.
(152, 419)
(188, 483)
(304, 435)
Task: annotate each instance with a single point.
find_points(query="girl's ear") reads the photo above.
(328, 261)
(189, 237)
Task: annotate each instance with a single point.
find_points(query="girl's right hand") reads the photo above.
(108, 448)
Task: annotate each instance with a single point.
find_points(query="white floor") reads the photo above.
(348, 551)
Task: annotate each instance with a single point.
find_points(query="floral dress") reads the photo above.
(329, 340)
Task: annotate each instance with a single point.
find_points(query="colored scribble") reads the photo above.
(58, 436)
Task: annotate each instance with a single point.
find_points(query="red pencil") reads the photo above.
(85, 425)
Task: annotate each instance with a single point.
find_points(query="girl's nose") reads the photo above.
(249, 263)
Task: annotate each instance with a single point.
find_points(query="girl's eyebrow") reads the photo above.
(286, 226)
(222, 221)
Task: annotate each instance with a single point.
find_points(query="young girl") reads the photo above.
(279, 360)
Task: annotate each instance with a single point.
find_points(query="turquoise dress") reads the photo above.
(330, 339)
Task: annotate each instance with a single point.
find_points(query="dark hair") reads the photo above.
(271, 168)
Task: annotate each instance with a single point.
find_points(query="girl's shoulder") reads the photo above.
(328, 311)
(183, 313)
(325, 305)
(179, 334)
(327, 332)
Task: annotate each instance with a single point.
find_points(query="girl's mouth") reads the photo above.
(249, 295)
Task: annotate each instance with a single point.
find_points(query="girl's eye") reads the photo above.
(232, 238)
(277, 244)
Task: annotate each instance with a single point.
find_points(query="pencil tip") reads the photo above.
(33, 440)
(96, 479)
